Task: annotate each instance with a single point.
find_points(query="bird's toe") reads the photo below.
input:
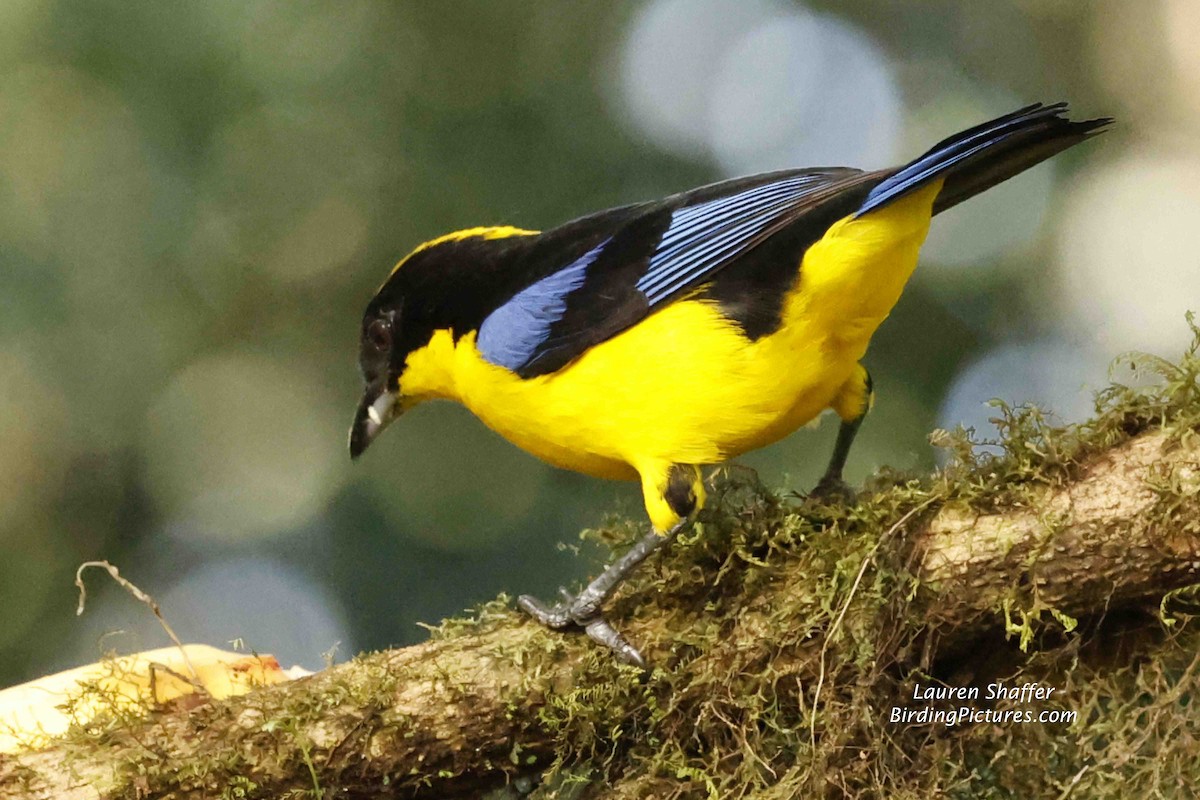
(833, 489)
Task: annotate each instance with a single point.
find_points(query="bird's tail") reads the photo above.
(981, 157)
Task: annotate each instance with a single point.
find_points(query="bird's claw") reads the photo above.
(600, 631)
(583, 612)
(556, 617)
(832, 489)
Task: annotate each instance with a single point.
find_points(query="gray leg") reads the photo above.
(831, 483)
(583, 609)
(859, 390)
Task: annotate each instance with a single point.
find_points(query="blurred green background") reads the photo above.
(197, 200)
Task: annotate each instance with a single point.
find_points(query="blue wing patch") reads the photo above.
(700, 238)
(703, 237)
(512, 334)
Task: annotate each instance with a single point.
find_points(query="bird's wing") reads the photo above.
(615, 271)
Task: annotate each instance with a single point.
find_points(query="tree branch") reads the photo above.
(481, 704)
(1126, 530)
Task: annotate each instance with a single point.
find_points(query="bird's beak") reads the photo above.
(375, 412)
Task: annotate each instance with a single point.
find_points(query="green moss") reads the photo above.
(732, 707)
(732, 714)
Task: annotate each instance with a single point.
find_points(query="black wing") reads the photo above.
(619, 266)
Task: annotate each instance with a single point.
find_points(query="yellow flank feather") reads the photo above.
(853, 400)
(685, 385)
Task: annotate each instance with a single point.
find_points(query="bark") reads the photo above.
(1125, 530)
(454, 716)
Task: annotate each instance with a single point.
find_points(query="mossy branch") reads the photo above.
(1126, 530)
(778, 633)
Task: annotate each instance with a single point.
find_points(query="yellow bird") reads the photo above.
(645, 341)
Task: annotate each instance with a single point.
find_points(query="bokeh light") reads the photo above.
(1057, 376)
(70, 150)
(800, 89)
(34, 414)
(1182, 29)
(1130, 58)
(758, 86)
(324, 240)
(242, 446)
(478, 498)
(1129, 241)
(669, 60)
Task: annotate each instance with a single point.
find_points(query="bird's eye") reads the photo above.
(379, 334)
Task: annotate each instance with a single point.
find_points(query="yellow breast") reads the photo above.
(685, 385)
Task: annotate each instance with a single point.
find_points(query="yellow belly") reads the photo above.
(685, 385)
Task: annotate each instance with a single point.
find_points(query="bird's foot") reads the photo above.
(582, 611)
(832, 489)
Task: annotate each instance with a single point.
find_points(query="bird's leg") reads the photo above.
(583, 609)
(831, 483)
(852, 404)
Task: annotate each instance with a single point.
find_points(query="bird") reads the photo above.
(648, 341)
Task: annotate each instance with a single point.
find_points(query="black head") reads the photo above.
(449, 283)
